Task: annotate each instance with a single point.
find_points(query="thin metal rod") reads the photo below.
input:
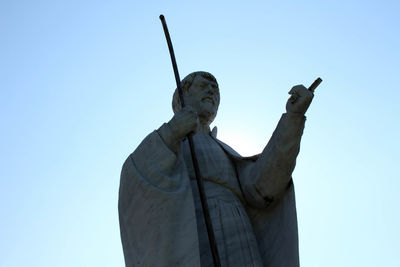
(199, 178)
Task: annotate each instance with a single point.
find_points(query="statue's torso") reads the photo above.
(236, 242)
(214, 164)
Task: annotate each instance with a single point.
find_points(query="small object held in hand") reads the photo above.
(312, 88)
(315, 84)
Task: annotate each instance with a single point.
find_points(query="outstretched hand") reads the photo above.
(300, 100)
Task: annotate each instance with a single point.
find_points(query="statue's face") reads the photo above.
(203, 96)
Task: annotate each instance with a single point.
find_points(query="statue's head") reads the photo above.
(200, 90)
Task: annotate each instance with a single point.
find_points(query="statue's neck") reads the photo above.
(205, 120)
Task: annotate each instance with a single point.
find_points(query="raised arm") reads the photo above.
(267, 178)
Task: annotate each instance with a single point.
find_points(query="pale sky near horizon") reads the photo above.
(83, 82)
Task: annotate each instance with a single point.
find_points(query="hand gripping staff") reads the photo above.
(199, 178)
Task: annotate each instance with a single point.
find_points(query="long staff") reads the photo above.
(199, 178)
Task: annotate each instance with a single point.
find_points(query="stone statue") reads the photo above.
(251, 199)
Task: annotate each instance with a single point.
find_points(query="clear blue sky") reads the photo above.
(83, 82)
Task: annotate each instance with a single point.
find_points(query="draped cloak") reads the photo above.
(157, 212)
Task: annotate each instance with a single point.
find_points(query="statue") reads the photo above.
(251, 199)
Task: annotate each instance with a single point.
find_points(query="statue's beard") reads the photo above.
(206, 117)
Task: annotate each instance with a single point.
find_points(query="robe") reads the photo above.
(156, 204)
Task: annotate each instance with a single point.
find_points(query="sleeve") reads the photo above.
(266, 179)
(157, 162)
(155, 201)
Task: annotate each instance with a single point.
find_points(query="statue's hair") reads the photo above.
(185, 84)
